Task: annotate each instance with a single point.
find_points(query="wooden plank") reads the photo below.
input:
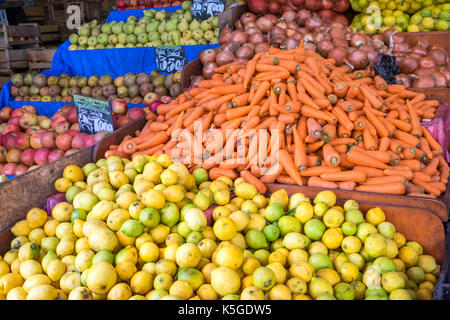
(40, 55)
(417, 224)
(49, 37)
(14, 55)
(31, 189)
(434, 38)
(23, 31)
(34, 10)
(48, 28)
(14, 65)
(39, 65)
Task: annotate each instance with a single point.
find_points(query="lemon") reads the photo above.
(349, 272)
(73, 173)
(328, 197)
(351, 244)
(224, 228)
(252, 293)
(230, 256)
(36, 218)
(375, 216)
(332, 238)
(153, 198)
(63, 184)
(173, 193)
(330, 275)
(333, 218)
(226, 281)
(409, 255)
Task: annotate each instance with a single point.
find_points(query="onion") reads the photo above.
(408, 64)
(313, 5)
(341, 19)
(274, 8)
(401, 47)
(366, 48)
(289, 44)
(446, 72)
(419, 50)
(288, 16)
(238, 37)
(313, 22)
(256, 38)
(238, 25)
(247, 17)
(277, 35)
(308, 38)
(340, 43)
(293, 25)
(272, 18)
(230, 46)
(297, 36)
(208, 69)
(298, 3)
(423, 43)
(324, 47)
(422, 72)
(358, 40)
(208, 55)
(439, 56)
(336, 33)
(327, 4)
(251, 24)
(252, 30)
(224, 57)
(310, 46)
(290, 32)
(373, 57)
(264, 24)
(339, 54)
(424, 82)
(319, 36)
(258, 6)
(358, 59)
(281, 25)
(341, 6)
(403, 79)
(427, 62)
(245, 52)
(440, 80)
(225, 35)
(262, 47)
(302, 16)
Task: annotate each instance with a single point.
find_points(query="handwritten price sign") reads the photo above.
(94, 115)
(170, 59)
(203, 9)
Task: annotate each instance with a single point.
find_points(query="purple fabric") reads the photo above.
(439, 127)
(52, 201)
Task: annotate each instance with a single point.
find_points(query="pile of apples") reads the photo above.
(122, 115)
(28, 140)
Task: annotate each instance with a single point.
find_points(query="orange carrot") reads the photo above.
(319, 182)
(346, 185)
(215, 173)
(370, 172)
(300, 159)
(288, 164)
(359, 158)
(248, 177)
(318, 170)
(391, 188)
(260, 92)
(434, 145)
(386, 180)
(330, 156)
(350, 175)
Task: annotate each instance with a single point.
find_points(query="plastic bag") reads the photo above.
(52, 201)
(386, 67)
(439, 128)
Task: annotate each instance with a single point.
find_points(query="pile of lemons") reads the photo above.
(150, 229)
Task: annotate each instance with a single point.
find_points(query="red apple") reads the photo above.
(135, 113)
(63, 141)
(119, 106)
(72, 132)
(20, 169)
(150, 97)
(71, 115)
(22, 141)
(5, 113)
(35, 141)
(17, 113)
(78, 141)
(27, 157)
(9, 140)
(48, 139)
(55, 155)
(29, 108)
(9, 169)
(62, 127)
(75, 126)
(45, 122)
(15, 121)
(41, 156)
(123, 122)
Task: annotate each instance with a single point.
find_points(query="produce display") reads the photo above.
(334, 128)
(155, 28)
(378, 17)
(28, 140)
(139, 88)
(148, 229)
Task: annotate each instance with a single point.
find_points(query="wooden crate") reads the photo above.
(34, 13)
(25, 35)
(40, 55)
(12, 59)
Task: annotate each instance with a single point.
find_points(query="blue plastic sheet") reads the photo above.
(116, 62)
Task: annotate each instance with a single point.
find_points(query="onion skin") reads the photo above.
(403, 79)
(440, 81)
(324, 47)
(208, 55)
(238, 37)
(224, 57)
(245, 52)
(208, 70)
(264, 24)
(358, 59)
(408, 64)
(427, 62)
(225, 35)
(339, 54)
(424, 82)
(247, 17)
(302, 16)
(258, 6)
(290, 43)
(440, 57)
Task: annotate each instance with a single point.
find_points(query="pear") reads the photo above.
(152, 26)
(162, 27)
(183, 26)
(139, 29)
(153, 36)
(194, 25)
(112, 39)
(187, 35)
(131, 39)
(122, 38)
(107, 28)
(117, 28)
(160, 15)
(205, 25)
(73, 38)
(142, 38)
(197, 34)
(171, 25)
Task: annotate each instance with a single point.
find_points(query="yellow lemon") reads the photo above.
(230, 256)
(149, 252)
(333, 218)
(351, 244)
(36, 218)
(375, 216)
(141, 282)
(225, 281)
(332, 238)
(181, 289)
(160, 233)
(63, 184)
(330, 275)
(304, 211)
(153, 198)
(73, 173)
(349, 272)
(224, 228)
(126, 269)
(409, 255)
(188, 255)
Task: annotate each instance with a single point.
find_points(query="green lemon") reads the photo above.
(314, 229)
(348, 228)
(103, 255)
(271, 232)
(72, 192)
(200, 176)
(170, 214)
(288, 224)
(194, 237)
(320, 261)
(273, 212)
(255, 239)
(354, 216)
(149, 217)
(264, 278)
(78, 214)
(132, 228)
(344, 291)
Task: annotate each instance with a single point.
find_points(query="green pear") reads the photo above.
(153, 36)
(142, 38)
(131, 39)
(162, 27)
(139, 29)
(107, 28)
(160, 15)
(112, 39)
(122, 38)
(183, 26)
(117, 28)
(175, 37)
(205, 25)
(194, 25)
(164, 37)
(187, 35)
(171, 25)
(152, 26)
(197, 34)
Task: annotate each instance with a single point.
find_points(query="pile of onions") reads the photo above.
(421, 66)
(278, 7)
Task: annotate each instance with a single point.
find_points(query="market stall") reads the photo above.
(305, 157)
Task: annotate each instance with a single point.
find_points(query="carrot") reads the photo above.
(431, 167)
(428, 187)
(158, 138)
(319, 182)
(215, 173)
(414, 165)
(380, 83)
(350, 175)
(314, 91)
(260, 93)
(330, 156)
(248, 177)
(314, 128)
(373, 100)
(302, 127)
(346, 185)
(318, 170)
(158, 126)
(379, 126)
(329, 132)
(117, 153)
(250, 70)
(182, 107)
(370, 172)
(386, 180)
(407, 138)
(422, 176)
(283, 179)
(300, 159)
(306, 99)
(434, 145)
(391, 188)
(311, 112)
(369, 141)
(384, 144)
(342, 118)
(400, 124)
(288, 164)
(408, 174)
(359, 158)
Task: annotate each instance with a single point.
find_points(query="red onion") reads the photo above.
(264, 24)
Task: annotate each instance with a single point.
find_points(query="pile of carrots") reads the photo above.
(338, 128)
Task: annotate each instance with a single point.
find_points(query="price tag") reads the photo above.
(170, 59)
(94, 115)
(203, 9)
